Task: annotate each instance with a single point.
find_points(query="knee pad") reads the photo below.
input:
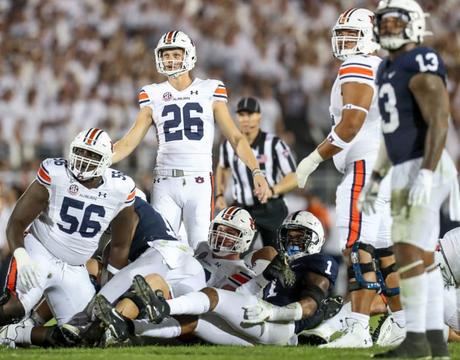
(357, 269)
(384, 252)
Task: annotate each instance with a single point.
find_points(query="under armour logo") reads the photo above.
(193, 92)
(102, 194)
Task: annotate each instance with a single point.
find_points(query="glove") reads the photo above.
(306, 167)
(258, 313)
(264, 311)
(279, 269)
(28, 272)
(420, 192)
(368, 196)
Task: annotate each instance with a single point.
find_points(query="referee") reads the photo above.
(276, 162)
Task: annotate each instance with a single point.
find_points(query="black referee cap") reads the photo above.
(248, 104)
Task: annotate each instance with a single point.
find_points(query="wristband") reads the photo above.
(256, 172)
(335, 140)
(111, 269)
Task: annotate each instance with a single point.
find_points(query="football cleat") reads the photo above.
(414, 346)
(388, 332)
(111, 320)
(355, 335)
(438, 344)
(153, 304)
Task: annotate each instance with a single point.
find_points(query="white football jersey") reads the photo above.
(76, 216)
(223, 273)
(184, 122)
(361, 69)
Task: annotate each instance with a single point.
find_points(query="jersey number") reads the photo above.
(328, 267)
(429, 63)
(88, 228)
(390, 117)
(193, 125)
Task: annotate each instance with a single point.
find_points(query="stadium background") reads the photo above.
(74, 64)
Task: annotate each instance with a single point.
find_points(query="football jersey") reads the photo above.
(184, 122)
(151, 227)
(403, 126)
(360, 69)
(320, 264)
(76, 217)
(224, 273)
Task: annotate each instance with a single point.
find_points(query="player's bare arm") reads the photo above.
(122, 230)
(29, 206)
(357, 100)
(316, 289)
(222, 176)
(126, 145)
(242, 148)
(286, 184)
(432, 98)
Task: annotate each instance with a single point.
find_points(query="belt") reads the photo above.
(174, 172)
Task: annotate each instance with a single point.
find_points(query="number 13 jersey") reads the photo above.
(75, 218)
(184, 122)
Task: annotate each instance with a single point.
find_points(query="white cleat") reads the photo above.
(9, 333)
(354, 336)
(390, 333)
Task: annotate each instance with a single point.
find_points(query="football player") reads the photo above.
(241, 318)
(353, 144)
(414, 105)
(183, 111)
(56, 225)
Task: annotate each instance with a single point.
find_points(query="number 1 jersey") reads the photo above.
(71, 225)
(184, 122)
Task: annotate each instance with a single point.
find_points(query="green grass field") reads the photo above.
(200, 352)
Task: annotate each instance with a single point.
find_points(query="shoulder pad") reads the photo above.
(50, 168)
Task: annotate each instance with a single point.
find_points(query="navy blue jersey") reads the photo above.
(403, 126)
(151, 227)
(320, 264)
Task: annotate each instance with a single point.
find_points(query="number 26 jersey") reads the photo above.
(75, 218)
(184, 122)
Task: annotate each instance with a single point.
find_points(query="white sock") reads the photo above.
(414, 291)
(193, 303)
(399, 318)
(219, 333)
(363, 319)
(169, 328)
(435, 301)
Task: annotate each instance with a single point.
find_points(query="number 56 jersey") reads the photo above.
(184, 122)
(76, 216)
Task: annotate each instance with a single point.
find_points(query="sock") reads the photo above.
(169, 328)
(399, 318)
(363, 319)
(435, 301)
(216, 331)
(194, 303)
(414, 291)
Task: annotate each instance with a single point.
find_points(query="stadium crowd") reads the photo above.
(75, 64)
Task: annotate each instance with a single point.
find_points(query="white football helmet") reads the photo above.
(224, 243)
(173, 40)
(361, 20)
(96, 141)
(407, 10)
(313, 237)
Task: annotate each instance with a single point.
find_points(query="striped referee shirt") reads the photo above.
(275, 160)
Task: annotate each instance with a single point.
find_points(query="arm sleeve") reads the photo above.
(220, 93)
(283, 156)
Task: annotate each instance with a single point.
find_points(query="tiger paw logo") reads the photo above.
(199, 179)
(73, 189)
